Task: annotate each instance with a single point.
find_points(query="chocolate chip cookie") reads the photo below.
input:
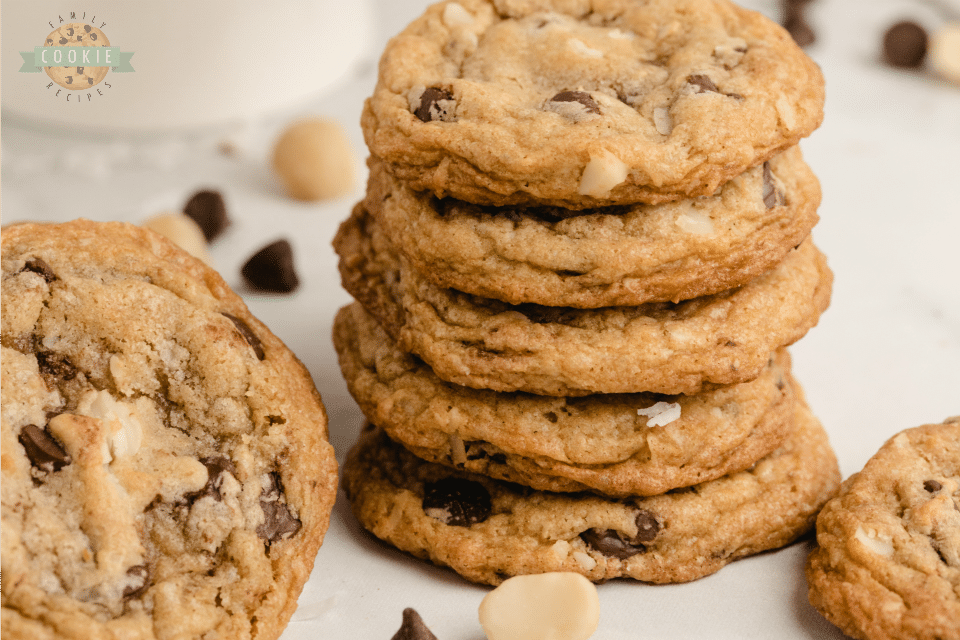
(611, 444)
(581, 103)
(487, 530)
(663, 347)
(613, 256)
(887, 563)
(166, 470)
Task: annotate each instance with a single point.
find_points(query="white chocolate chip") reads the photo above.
(579, 47)
(694, 221)
(661, 414)
(944, 52)
(554, 606)
(585, 561)
(617, 34)
(121, 425)
(875, 543)
(602, 174)
(183, 231)
(662, 121)
(314, 160)
(454, 15)
(788, 115)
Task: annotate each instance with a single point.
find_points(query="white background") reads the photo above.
(886, 355)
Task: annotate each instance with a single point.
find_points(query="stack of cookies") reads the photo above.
(582, 252)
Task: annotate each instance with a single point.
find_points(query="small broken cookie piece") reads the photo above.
(556, 605)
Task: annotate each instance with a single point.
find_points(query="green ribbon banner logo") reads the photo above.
(113, 57)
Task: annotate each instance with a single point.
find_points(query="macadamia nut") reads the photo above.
(547, 606)
(314, 160)
(182, 231)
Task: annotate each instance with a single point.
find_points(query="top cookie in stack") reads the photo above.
(583, 247)
(580, 103)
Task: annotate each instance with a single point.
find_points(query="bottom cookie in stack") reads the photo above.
(616, 504)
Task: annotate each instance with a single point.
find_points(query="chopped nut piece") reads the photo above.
(604, 172)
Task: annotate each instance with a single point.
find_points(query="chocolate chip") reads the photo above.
(932, 486)
(272, 269)
(546, 315)
(216, 467)
(80, 70)
(278, 522)
(905, 45)
(56, 365)
(38, 266)
(140, 573)
(63, 41)
(430, 108)
(801, 32)
(69, 79)
(70, 31)
(86, 28)
(93, 36)
(613, 543)
(42, 449)
(248, 335)
(577, 96)
(703, 83)
(413, 627)
(457, 502)
(772, 196)
(208, 210)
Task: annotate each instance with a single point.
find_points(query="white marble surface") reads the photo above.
(884, 357)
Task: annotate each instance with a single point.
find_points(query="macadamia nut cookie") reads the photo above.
(584, 103)
(166, 470)
(662, 347)
(613, 256)
(487, 530)
(629, 444)
(887, 563)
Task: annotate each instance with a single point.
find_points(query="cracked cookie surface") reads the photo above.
(166, 470)
(613, 256)
(887, 563)
(582, 103)
(609, 444)
(487, 530)
(725, 338)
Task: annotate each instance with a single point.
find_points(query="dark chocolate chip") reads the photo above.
(613, 543)
(703, 83)
(772, 197)
(932, 486)
(248, 335)
(89, 80)
(63, 41)
(798, 28)
(577, 96)
(272, 269)
(42, 449)
(460, 503)
(70, 31)
(278, 522)
(216, 467)
(38, 266)
(56, 365)
(86, 28)
(93, 36)
(905, 45)
(430, 109)
(208, 210)
(80, 70)
(69, 79)
(413, 627)
(141, 573)
(540, 314)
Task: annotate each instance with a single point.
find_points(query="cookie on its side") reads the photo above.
(599, 443)
(487, 530)
(614, 256)
(659, 347)
(887, 565)
(582, 104)
(166, 469)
